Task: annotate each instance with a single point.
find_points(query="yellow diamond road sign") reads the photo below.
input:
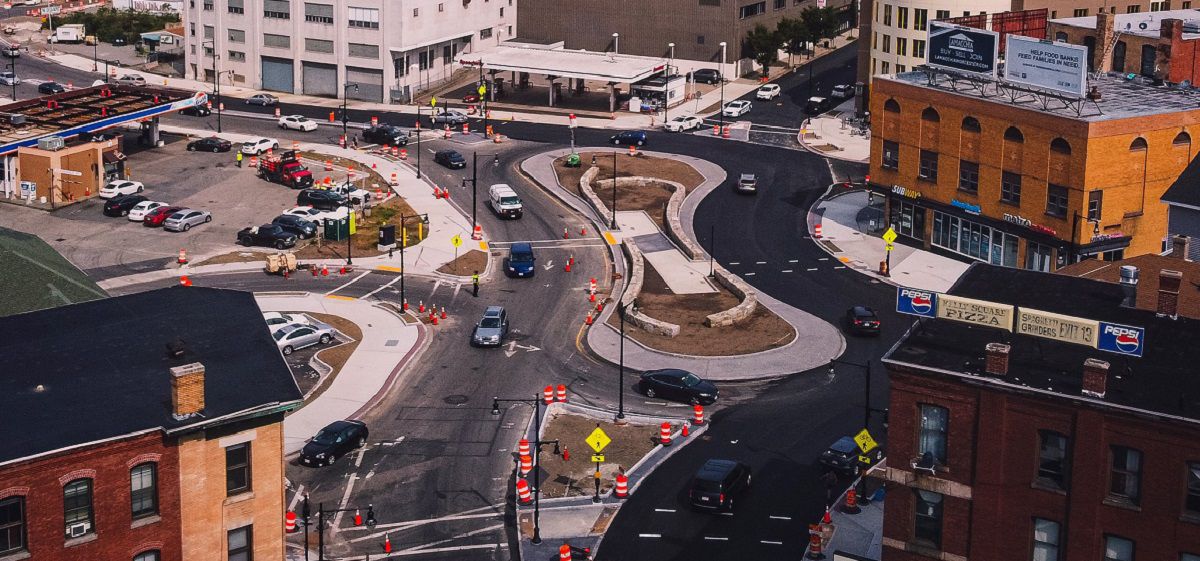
(456, 240)
(890, 235)
(598, 440)
(864, 440)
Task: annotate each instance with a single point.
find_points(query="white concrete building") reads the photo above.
(389, 49)
(899, 28)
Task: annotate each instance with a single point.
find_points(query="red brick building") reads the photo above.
(1008, 446)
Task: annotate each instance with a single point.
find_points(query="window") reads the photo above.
(1045, 540)
(780, 4)
(1117, 549)
(1080, 12)
(901, 47)
(928, 166)
(891, 106)
(441, 6)
(1060, 146)
(416, 12)
(1052, 459)
(1156, 6)
(934, 425)
(919, 48)
(365, 18)
(208, 51)
(1138, 145)
(241, 544)
(1010, 188)
(208, 5)
(927, 518)
(360, 50)
(272, 40)
(930, 114)
(502, 11)
(209, 32)
(1038, 258)
(887, 44)
(12, 524)
(1187, 5)
(942, 14)
(874, 39)
(1188, 556)
(1133, 9)
(968, 176)
(278, 9)
(318, 45)
(886, 67)
(1095, 204)
(237, 36)
(1190, 506)
(1013, 134)
(900, 68)
(891, 154)
(710, 2)
(236, 7)
(152, 555)
(485, 33)
(77, 508)
(237, 56)
(1182, 139)
(887, 14)
(1125, 478)
(1056, 201)
(237, 468)
(902, 17)
(143, 485)
(423, 60)
(192, 29)
(970, 124)
(751, 10)
(920, 19)
(318, 13)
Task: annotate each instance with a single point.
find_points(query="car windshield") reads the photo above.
(489, 322)
(521, 257)
(280, 334)
(679, 120)
(690, 379)
(509, 200)
(325, 437)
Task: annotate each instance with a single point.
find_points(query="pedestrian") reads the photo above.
(354, 140)
(239, 158)
(830, 479)
(475, 284)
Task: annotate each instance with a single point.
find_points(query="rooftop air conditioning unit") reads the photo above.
(51, 143)
(16, 119)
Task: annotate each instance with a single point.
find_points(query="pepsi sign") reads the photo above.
(1121, 339)
(915, 302)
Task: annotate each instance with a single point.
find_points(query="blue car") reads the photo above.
(628, 138)
(520, 261)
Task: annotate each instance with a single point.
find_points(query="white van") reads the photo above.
(505, 201)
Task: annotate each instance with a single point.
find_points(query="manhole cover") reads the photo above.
(456, 399)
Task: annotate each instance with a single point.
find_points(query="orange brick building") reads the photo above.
(1036, 183)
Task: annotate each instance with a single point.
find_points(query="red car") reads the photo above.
(158, 215)
(471, 98)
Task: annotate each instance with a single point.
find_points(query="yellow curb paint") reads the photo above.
(339, 297)
(844, 259)
(483, 246)
(388, 268)
(609, 238)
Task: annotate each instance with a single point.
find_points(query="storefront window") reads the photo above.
(908, 219)
(974, 240)
(1038, 256)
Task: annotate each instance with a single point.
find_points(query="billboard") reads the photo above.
(962, 49)
(977, 312)
(1059, 67)
(916, 302)
(1048, 325)
(1121, 339)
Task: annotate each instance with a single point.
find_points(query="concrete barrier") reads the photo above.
(632, 314)
(744, 292)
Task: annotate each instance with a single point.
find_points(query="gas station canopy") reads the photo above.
(562, 63)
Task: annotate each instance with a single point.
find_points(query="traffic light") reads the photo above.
(370, 516)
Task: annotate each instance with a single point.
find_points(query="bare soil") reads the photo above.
(762, 331)
(574, 477)
(236, 257)
(651, 199)
(467, 264)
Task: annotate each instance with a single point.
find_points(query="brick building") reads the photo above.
(1157, 45)
(1034, 183)
(1003, 445)
(131, 435)
(1147, 268)
(1183, 208)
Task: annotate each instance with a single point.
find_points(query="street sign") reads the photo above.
(890, 235)
(482, 89)
(598, 440)
(52, 10)
(864, 440)
(456, 241)
(890, 246)
(433, 102)
(864, 460)
(598, 458)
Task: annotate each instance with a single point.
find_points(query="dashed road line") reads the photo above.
(649, 535)
(749, 274)
(786, 271)
(840, 267)
(822, 259)
(760, 262)
(793, 260)
(716, 538)
(770, 542)
(664, 510)
(735, 262)
(781, 517)
(811, 269)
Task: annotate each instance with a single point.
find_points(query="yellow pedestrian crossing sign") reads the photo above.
(433, 102)
(865, 442)
(598, 440)
(456, 240)
(890, 235)
(482, 89)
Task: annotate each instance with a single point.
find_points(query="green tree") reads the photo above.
(794, 36)
(820, 23)
(763, 45)
(108, 24)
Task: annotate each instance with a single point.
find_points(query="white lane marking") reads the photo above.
(781, 517)
(296, 498)
(760, 262)
(749, 274)
(337, 519)
(770, 542)
(452, 548)
(452, 538)
(649, 535)
(398, 526)
(349, 283)
(437, 283)
(811, 269)
(822, 259)
(735, 262)
(840, 267)
(716, 538)
(786, 271)
(358, 459)
(664, 510)
(457, 287)
(390, 283)
(793, 260)
(725, 513)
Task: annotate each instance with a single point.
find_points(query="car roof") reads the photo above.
(522, 246)
(668, 371)
(493, 311)
(844, 444)
(715, 469)
(341, 425)
(748, 176)
(863, 311)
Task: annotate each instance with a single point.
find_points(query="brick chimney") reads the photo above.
(1180, 245)
(1102, 58)
(187, 390)
(1095, 377)
(1168, 292)
(997, 359)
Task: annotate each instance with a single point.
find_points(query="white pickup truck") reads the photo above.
(68, 33)
(505, 201)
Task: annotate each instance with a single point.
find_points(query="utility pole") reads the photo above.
(721, 111)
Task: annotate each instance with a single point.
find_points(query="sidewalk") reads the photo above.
(831, 136)
(387, 344)
(850, 230)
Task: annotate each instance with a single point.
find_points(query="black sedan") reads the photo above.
(678, 385)
(386, 134)
(333, 442)
(844, 455)
(51, 88)
(196, 111)
(210, 144)
(120, 205)
(321, 199)
(270, 235)
(862, 320)
(450, 159)
(628, 138)
(296, 225)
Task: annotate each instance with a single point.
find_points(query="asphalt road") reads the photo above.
(785, 112)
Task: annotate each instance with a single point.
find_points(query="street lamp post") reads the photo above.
(616, 43)
(721, 112)
(537, 457)
(475, 186)
(404, 244)
(216, 77)
(667, 83)
(1075, 227)
(349, 218)
(96, 56)
(345, 98)
(321, 512)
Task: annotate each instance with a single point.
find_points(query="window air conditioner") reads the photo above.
(79, 529)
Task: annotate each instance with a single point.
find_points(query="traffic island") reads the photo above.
(366, 237)
(466, 264)
(574, 476)
(653, 199)
(332, 358)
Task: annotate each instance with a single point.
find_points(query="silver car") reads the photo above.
(131, 80)
(747, 183)
(492, 328)
(300, 335)
(183, 220)
(262, 99)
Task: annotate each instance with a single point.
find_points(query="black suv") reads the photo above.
(120, 205)
(707, 76)
(333, 442)
(296, 225)
(843, 456)
(196, 111)
(450, 159)
(321, 199)
(270, 235)
(51, 88)
(386, 134)
(717, 483)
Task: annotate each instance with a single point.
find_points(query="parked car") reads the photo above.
(628, 138)
(450, 158)
(842, 456)
(276, 320)
(768, 92)
(262, 99)
(862, 320)
(51, 88)
(196, 111)
(297, 123)
(706, 76)
(492, 328)
(747, 183)
(157, 216)
(256, 146)
(718, 483)
(11, 79)
(737, 108)
(301, 227)
(269, 235)
(300, 335)
(131, 80)
(121, 204)
(520, 261)
(121, 187)
(683, 124)
(322, 199)
(210, 144)
(816, 105)
(450, 117)
(385, 134)
(333, 442)
(139, 211)
(842, 91)
(678, 385)
(315, 214)
(183, 220)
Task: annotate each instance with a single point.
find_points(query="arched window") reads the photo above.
(1138, 145)
(930, 114)
(152, 555)
(77, 508)
(1182, 139)
(971, 124)
(891, 106)
(1061, 146)
(1014, 134)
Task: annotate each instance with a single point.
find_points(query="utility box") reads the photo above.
(387, 237)
(337, 229)
(51, 143)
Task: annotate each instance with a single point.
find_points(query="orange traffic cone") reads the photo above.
(565, 234)
(387, 543)
(420, 306)
(443, 312)
(588, 321)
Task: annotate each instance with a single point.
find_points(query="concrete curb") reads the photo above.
(814, 217)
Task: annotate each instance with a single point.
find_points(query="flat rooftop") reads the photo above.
(1119, 98)
(1161, 380)
(1144, 24)
(565, 63)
